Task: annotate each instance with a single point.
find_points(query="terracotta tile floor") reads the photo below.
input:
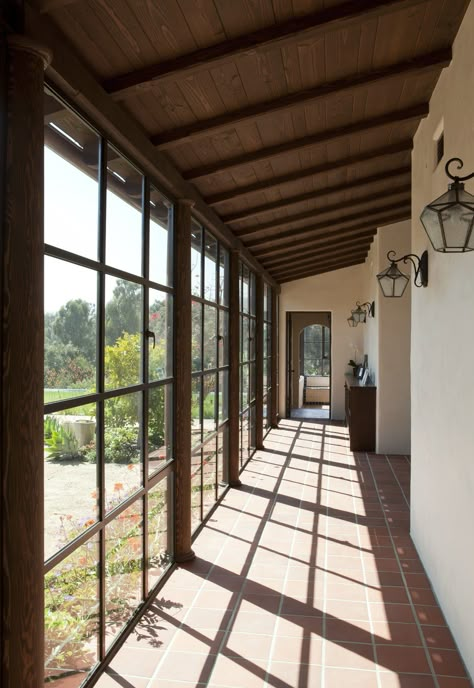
(304, 577)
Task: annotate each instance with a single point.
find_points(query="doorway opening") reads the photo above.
(308, 390)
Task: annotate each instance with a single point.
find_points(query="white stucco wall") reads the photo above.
(442, 362)
(336, 292)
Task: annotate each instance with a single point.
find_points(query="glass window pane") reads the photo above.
(70, 325)
(160, 323)
(222, 458)
(209, 405)
(196, 413)
(196, 257)
(252, 339)
(252, 294)
(245, 339)
(159, 530)
(253, 379)
(123, 328)
(245, 289)
(210, 337)
(71, 592)
(70, 479)
(122, 447)
(223, 395)
(160, 427)
(123, 214)
(196, 336)
(161, 239)
(223, 276)
(71, 191)
(223, 338)
(196, 489)
(244, 387)
(209, 476)
(123, 568)
(210, 267)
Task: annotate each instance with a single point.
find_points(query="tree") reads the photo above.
(123, 311)
(75, 325)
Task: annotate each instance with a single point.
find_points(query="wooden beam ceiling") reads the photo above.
(366, 216)
(209, 127)
(248, 213)
(329, 239)
(324, 168)
(351, 242)
(264, 253)
(416, 112)
(323, 267)
(385, 195)
(340, 253)
(317, 23)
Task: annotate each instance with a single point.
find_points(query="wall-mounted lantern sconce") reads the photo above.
(363, 310)
(393, 282)
(449, 219)
(352, 322)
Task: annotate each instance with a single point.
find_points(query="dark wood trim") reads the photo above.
(46, 6)
(311, 242)
(182, 374)
(188, 133)
(259, 363)
(305, 255)
(301, 232)
(324, 260)
(417, 112)
(384, 194)
(234, 370)
(241, 215)
(316, 23)
(244, 191)
(274, 362)
(324, 270)
(22, 442)
(326, 254)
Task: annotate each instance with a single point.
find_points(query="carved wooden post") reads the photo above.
(182, 400)
(259, 365)
(22, 459)
(234, 370)
(274, 362)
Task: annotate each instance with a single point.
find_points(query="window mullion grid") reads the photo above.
(145, 396)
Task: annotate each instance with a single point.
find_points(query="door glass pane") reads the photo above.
(223, 276)
(70, 326)
(123, 333)
(160, 427)
(122, 447)
(223, 338)
(196, 489)
(209, 476)
(210, 267)
(196, 336)
(196, 414)
(222, 458)
(160, 323)
(209, 404)
(223, 395)
(196, 257)
(159, 531)
(123, 214)
(161, 239)
(210, 337)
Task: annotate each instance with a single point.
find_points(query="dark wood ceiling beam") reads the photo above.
(265, 253)
(316, 23)
(416, 112)
(333, 244)
(322, 271)
(340, 254)
(313, 195)
(296, 234)
(402, 189)
(323, 240)
(295, 273)
(209, 127)
(46, 6)
(301, 175)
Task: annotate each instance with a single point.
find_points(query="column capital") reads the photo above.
(27, 45)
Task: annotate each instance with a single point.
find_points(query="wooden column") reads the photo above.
(234, 360)
(274, 362)
(22, 460)
(182, 367)
(259, 364)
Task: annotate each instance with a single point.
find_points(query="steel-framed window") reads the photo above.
(267, 353)
(210, 371)
(247, 364)
(316, 348)
(110, 379)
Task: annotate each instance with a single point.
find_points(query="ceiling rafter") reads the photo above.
(296, 234)
(322, 268)
(300, 175)
(317, 212)
(324, 240)
(329, 255)
(350, 242)
(416, 112)
(338, 17)
(313, 195)
(190, 132)
(265, 253)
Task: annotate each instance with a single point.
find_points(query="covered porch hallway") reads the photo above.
(306, 576)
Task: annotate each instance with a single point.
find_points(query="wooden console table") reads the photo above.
(360, 414)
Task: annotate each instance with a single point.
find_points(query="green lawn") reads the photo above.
(58, 394)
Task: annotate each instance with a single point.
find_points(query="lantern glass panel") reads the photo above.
(449, 221)
(393, 282)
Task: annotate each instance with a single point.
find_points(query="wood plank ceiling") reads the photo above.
(294, 119)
